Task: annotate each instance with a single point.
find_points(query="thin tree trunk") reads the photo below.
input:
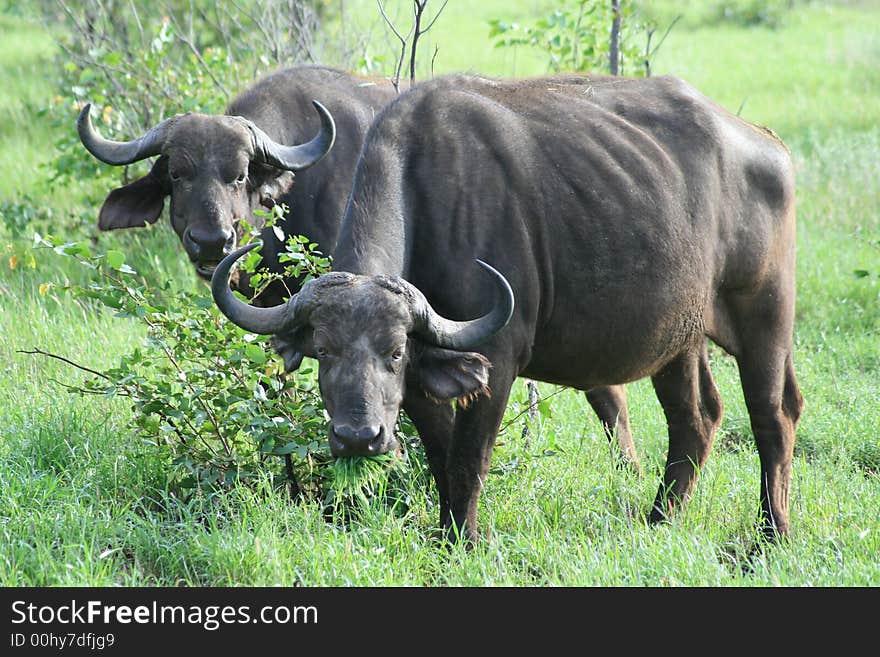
(614, 50)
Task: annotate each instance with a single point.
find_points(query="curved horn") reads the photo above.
(120, 152)
(296, 158)
(464, 336)
(263, 321)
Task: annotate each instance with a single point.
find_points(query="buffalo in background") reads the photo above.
(218, 169)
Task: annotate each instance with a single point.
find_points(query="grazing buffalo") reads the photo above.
(629, 218)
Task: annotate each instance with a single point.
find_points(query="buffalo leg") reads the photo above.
(693, 412)
(609, 403)
(470, 453)
(434, 423)
(761, 325)
(774, 403)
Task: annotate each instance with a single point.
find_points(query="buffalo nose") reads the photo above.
(208, 245)
(350, 441)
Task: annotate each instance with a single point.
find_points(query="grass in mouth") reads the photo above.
(359, 478)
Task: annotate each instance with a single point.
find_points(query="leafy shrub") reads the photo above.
(210, 394)
(18, 217)
(575, 37)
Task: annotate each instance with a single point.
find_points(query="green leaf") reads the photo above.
(115, 258)
(255, 353)
(545, 409)
(286, 449)
(113, 58)
(861, 273)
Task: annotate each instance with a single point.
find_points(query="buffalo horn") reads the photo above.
(120, 152)
(263, 321)
(466, 335)
(296, 158)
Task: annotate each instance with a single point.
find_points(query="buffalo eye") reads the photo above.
(321, 352)
(241, 178)
(174, 175)
(395, 359)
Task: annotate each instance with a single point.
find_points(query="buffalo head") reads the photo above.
(372, 335)
(216, 169)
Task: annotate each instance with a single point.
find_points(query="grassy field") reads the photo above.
(84, 502)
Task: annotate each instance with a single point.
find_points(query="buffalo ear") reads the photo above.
(447, 375)
(269, 183)
(291, 350)
(138, 203)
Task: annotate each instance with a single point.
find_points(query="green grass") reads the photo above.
(85, 502)
(815, 75)
(25, 52)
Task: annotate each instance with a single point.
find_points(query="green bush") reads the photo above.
(210, 394)
(575, 37)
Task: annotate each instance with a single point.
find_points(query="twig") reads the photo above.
(137, 20)
(533, 411)
(40, 352)
(305, 35)
(419, 8)
(83, 368)
(528, 408)
(436, 16)
(666, 33)
(649, 52)
(403, 41)
(85, 391)
(433, 57)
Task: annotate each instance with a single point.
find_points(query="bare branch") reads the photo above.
(529, 407)
(436, 16)
(390, 24)
(418, 9)
(533, 411)
(395, 82)
(40, 352)
(137, 20)
(649, 52)
(433, 57)
(666, 33)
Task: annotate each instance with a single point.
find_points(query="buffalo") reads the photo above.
(629, 219)
(218, 169)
